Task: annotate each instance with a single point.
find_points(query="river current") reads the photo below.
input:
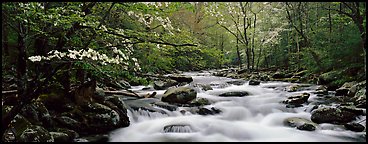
(258, 117)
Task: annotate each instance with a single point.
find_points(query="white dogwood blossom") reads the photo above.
(120, 57)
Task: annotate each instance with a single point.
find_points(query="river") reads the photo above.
(258, 117)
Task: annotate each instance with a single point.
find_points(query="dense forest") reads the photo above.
(55, 48)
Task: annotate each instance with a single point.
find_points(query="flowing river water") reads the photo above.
(257, 117)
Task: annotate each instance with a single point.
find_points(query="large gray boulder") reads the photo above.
(181, 95)
(332, 115)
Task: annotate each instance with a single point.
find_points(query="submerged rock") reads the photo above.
(354, 127)
(205, 111)
(234, 94)
(177, 128)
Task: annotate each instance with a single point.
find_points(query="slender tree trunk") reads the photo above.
(238, 53)
(254, 33)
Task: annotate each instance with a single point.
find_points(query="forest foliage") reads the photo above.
(68, 43)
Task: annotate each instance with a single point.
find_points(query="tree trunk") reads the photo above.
(238, 53)
(21, 61)
(254, 33)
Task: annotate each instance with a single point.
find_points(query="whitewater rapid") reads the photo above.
(257, 117)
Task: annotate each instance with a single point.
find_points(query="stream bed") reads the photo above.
(257, 117)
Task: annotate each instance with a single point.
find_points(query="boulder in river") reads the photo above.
(297, 99)
(354, 127)
(181, 95)
(300, 123)
(164, 84)
(359, 99)
(205, 111)
(332, 115)
(181, 78)
(344, 89)
(234, 94)
(254, 82)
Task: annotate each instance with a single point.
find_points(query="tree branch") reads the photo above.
(151, 41)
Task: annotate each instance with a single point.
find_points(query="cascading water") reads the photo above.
(257, 117)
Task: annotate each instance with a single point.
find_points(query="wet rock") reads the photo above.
(100, 118)
(118, 101)
(234, 94)
(177, 128)
(300, 123)
(181, 78)
(236, 82)
(332, 115)
(353, 109)
(147, 88)
(35, 133)
(356, 87)
(20, 124)
(206, 87)
(254, 82)
(321, 90)
(37, 114)
(142, 104)
(71, 133)
(166, 106)
(205, 111)
(219, 85)
(68, 122)
(181, 95)
(297, 99)
(93, 138)
(342, 91)
(200, 102)
(292, 88)
(359, 99)
(164, 84)
(354, 127)
(60, 137)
